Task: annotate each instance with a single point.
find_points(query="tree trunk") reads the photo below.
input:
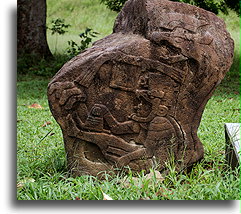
(31, 28)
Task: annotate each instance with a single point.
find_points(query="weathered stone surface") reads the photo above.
(137, 96)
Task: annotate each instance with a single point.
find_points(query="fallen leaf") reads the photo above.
(20, 185)
(236, 92)
(146, 198)
(155, 174)
(105, 196)
(23, 182)
(52, 133)
(46, 123)
(36, 106)
(164, 192)
(77, 198)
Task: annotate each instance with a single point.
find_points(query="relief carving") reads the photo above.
(136, 97)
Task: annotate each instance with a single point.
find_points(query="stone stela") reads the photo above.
(137, 96)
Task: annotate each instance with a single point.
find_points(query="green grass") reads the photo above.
(41, 156)
(80, 15)
(233, 26)
(40, 150)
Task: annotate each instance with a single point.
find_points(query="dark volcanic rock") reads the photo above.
(137, 96)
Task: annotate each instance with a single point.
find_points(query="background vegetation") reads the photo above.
(81, 15)
(214, 6)
(41, 165)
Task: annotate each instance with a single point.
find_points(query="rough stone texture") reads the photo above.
(137, 96)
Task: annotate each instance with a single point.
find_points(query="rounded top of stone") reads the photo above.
(198, 33)
(141, 16)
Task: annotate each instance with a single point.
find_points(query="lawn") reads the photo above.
(80, 15)
(41, 162)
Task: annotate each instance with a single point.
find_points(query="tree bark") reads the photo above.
(31, 28)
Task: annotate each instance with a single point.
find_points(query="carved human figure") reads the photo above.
(160, 132)
(111, 146)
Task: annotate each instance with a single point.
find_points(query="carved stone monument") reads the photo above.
(137, 96)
